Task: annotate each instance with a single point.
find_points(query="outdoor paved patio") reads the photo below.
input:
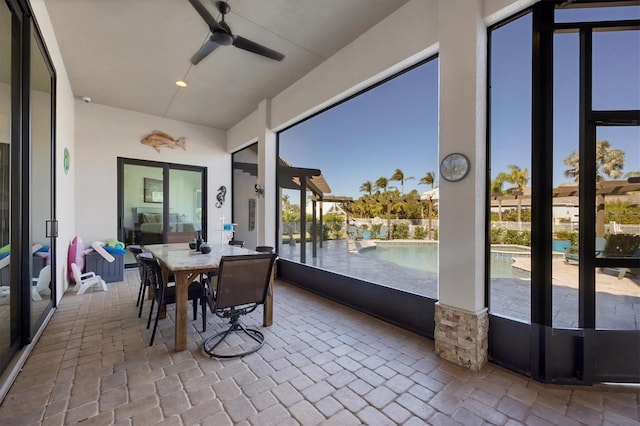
(617, 301)
(323, 363)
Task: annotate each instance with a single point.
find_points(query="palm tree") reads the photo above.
(366, 187)
(609, 162)
(382, 184)
(399, 176)
(518, 178)
(496, 189)
(428, 179)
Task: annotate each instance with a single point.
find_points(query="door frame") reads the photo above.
(166, 167)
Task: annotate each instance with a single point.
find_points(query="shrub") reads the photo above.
(622, 212)
(625, 244)
(419, 233)
(497, 235)
(510, 236)
(332, 227)
(567, 235)
(400, 231)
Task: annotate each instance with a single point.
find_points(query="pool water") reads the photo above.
(424, 257)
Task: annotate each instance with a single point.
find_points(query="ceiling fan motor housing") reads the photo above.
(222, 38)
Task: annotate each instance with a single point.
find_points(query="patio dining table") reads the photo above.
(186, 265)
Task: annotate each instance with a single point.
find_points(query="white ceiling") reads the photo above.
(129, 53)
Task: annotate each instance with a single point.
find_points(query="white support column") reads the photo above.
(266, 214)
(461, 317)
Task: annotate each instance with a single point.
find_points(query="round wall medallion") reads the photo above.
(66, 161)
(454, 167)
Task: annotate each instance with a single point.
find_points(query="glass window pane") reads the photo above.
(566, 219)
(618, 227)
(616, 70)
(40, 182)
(592, 14)
(185, 206)
(143, 212)
(7, 321)
(510, 264)
(245, 178)
(380, 149)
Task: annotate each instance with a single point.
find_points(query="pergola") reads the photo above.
(603, 188)
(303, 179)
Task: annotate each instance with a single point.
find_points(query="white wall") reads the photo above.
(104, 133)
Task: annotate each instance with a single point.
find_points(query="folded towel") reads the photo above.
(114, 250)
(115, 244)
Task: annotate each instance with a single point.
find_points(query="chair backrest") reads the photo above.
(139, 257)
(153, 273)
(76, 272)
(44, 278)
(264, 249)
(244, 279)
(135, 249)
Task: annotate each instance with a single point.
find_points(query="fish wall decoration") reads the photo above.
(158, 139)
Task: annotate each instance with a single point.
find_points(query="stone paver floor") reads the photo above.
(323, 363)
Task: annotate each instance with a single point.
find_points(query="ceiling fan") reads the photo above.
(221, 35)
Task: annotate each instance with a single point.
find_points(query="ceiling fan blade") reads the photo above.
(204, 13)
(208, 47)
(251, 46)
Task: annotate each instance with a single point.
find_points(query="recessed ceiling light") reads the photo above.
(181, 83)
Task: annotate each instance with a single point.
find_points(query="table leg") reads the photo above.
(165, 280)
(182, 302)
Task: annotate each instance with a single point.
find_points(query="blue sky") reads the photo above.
(391, 126)
(394, 125)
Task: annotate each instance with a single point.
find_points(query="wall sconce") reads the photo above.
(259, 190)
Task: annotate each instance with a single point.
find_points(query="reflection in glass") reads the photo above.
(143, 219)
(41, 134)
(245, 177)
(185, 205)
(510, 193)
(6, 317)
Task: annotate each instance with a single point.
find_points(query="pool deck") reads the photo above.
(617, 301)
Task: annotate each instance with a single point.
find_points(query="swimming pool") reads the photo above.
(423, 256)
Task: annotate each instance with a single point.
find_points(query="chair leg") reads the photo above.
(155, 324)
(143, 281)
(194, 303)
(203, 303)
(142, 301)
(151, 312)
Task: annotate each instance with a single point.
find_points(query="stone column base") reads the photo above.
(462, 336)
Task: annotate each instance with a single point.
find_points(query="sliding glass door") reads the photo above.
(27, 182)
(160, 202)
(41, 185)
